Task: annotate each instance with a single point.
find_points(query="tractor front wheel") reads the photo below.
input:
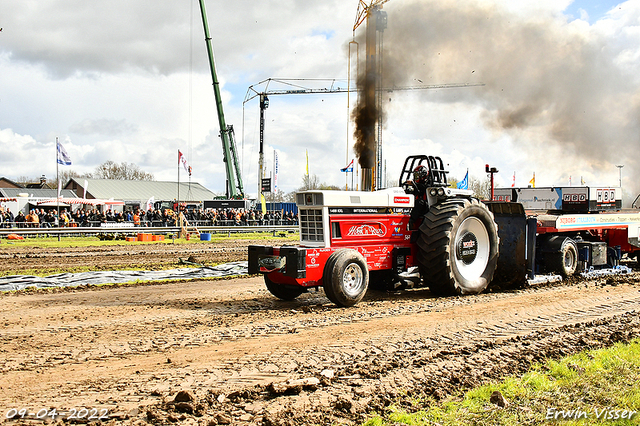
(345, 277)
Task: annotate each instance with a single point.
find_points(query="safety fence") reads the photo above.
(153, 223)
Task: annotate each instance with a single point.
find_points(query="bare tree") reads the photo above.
(289, 197)
(122, 171)
(66, 175)
(481, 188)
(24, 180)
(310, 182)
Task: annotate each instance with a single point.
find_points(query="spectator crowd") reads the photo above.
(81, 217)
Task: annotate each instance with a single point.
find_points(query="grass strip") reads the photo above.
(596, 387)
(77, 241)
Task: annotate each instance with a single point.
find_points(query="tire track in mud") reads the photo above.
(393, 369)
(235, 351)
(214, 329)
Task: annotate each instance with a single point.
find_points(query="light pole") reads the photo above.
(620, 169)
(620, 181)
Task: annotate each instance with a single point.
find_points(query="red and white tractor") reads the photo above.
(423, 233)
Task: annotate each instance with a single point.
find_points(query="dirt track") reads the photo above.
(243, 357)
(145, 256)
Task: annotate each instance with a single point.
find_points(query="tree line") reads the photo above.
(107, 170)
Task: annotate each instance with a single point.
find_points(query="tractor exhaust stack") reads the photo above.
(367, 180)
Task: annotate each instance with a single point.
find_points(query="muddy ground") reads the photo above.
(227, 352)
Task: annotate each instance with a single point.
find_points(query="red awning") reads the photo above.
(87, 201)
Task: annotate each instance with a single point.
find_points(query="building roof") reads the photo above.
(36, 192)
(8, 183)
(139, 190)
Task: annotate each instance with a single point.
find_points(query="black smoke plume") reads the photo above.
(365, 116)
(549, 82)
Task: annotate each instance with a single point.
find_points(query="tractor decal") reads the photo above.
(377, 229)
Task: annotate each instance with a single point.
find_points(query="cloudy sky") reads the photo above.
(128, 80)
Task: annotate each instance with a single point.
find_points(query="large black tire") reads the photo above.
(283, 291)
(458, 247)
(345, 277)
(560, 255)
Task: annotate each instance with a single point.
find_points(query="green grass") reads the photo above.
(52, 242)
(65, 242)
(590, 383)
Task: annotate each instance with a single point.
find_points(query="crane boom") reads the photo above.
(294, 87)
(235, 189)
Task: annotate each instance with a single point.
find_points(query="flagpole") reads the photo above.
(178, 200)
(58, 182)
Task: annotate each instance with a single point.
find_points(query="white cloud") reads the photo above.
(113, 81)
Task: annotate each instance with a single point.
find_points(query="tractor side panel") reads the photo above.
(374, 235)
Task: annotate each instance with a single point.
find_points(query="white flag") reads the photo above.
(63, 157)
(86, 185)
(182, 159)
(150, 203)
(275, 172)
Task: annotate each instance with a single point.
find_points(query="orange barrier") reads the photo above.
(144, 237)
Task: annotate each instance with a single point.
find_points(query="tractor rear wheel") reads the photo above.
(458, 247)
(283, 291)
(345, 277)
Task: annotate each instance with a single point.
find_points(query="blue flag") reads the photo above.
(63, 157)
(464, 183)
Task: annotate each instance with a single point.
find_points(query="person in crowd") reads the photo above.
(20, 219)
(8, 218)
(102, 217)
(41, 217)
(33, 220)
(157, 218)
(48, 220)
(149, 217)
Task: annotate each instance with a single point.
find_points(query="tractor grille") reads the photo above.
(311, 225)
